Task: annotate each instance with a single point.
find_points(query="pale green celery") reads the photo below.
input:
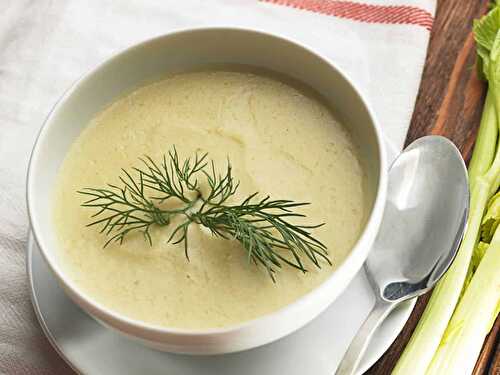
(493, 208)
(484, 176)
(477, 255)
(473, 318)
(484, 149)
(480, 251)
(491, 221)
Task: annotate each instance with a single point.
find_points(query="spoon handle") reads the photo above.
(354, 353)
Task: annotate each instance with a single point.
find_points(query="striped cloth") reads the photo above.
(45, 45)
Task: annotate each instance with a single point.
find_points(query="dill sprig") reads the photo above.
(262, 226)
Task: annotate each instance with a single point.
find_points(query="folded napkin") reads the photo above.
(46, 45)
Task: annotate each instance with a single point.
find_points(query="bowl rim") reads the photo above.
(347, 267)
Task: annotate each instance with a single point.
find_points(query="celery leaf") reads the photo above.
(485, 29)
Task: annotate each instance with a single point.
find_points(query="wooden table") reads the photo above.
(449, 103)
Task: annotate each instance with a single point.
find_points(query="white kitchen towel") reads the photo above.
(46, 45)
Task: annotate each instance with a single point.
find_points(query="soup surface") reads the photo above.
(281, 140)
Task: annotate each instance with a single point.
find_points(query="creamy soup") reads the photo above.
(282, 141)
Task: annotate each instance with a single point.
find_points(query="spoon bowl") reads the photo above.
(424, 219)
(422, 226)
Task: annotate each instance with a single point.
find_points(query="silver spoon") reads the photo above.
(423, 223)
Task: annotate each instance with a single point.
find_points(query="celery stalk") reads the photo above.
(484, 149)
(484, 179)
(473, 318)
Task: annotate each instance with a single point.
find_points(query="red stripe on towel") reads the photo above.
(387, 14)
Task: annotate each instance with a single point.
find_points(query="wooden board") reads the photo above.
(449, 103)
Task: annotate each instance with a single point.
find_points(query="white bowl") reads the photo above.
(181, 51)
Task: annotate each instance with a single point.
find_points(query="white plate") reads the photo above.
(317, 348)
